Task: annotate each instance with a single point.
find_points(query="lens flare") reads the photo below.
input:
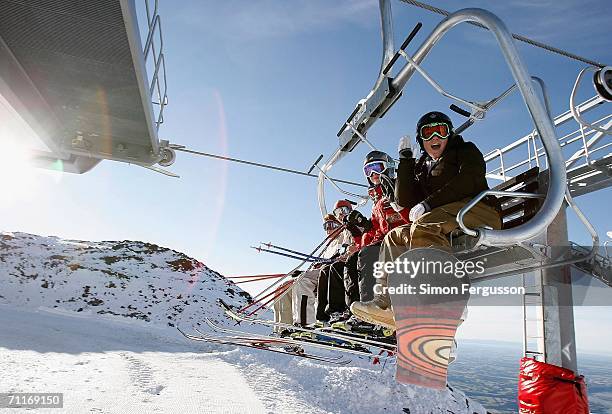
(18, 175)
(20, 178)
(58, 165)
(215, 207)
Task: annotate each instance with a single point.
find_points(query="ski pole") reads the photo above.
(279, 292)
(246, 277)
(262, 301)
(255, 302)
(326, 241)
(257, 279)
(270, 245)
(243, 309)
(291, 256)
(323, 246)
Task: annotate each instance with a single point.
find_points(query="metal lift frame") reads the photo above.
(386, 91)
(556, 337)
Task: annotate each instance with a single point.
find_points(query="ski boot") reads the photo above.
(339, 317)
(376, 311)
(317, 325)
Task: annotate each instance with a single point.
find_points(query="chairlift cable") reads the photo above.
(257, 164)
(515, 36)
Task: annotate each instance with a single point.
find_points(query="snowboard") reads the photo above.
(427, 315)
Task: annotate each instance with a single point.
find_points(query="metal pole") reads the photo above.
(386, 24)
(556, 342)
(557, 303)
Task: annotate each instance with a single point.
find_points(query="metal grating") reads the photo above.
(27, 27)
(97, 10)
(77, 55)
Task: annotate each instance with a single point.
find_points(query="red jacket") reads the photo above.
(384, 219)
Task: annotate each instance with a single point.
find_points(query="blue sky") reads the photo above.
(272, 81)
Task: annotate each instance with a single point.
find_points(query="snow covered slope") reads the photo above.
(127, 278)
(95, 320)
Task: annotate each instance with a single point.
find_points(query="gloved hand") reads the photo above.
(417, 211)
(357, 222)
(352, 227)
(396, 207)
(405, 147)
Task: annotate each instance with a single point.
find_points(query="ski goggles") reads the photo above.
(439, 129)
(377, 167)
(342, 210)
(330, 225)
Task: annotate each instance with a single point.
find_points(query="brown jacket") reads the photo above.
(458, 174)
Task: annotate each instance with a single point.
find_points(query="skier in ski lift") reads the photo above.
(303, 291)
(331, 304)
(351, 283)
(283, 312)
(342, 208)
(448, 174)
(379, 169)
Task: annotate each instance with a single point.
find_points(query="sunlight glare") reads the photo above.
(18, 175)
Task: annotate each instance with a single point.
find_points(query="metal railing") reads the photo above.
(581, 146)
(158, 88)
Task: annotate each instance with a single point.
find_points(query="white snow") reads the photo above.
(105, 367)
(116, 357)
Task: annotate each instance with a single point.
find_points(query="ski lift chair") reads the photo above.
(527, 214)
(514, 212)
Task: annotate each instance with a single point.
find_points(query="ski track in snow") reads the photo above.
(95, 321)
(108, 366)
(105, 367)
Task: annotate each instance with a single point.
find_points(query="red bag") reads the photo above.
(549, 389)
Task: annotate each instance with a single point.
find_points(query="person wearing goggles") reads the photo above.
(434, 137)
(379, 169)
(433, 188)
(342, 208)
(374, 169)
(331, 225)
(303, 299)
(330, 304)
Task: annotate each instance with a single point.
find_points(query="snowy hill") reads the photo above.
(95, 320)
(127, 278)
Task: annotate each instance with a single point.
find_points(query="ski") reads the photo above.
(245, 336)
(332, 334)
(270, 345)
(270, 348)
(284, 342)
(298, 341)
(378, 335)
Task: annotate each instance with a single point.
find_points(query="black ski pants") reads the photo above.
(330, 291)
(359, 279)
(351, 286)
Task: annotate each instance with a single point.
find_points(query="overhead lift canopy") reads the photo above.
(75, 72)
